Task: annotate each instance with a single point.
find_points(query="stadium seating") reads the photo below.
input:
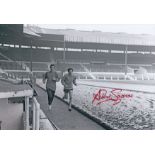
(42, 55)
(65, 66)
(38, 66)
(86, 56)
(24, 75)
(24, 54)
(115, 58)
(84, 61)
(106, 68)
(10, 65)
(2, 58)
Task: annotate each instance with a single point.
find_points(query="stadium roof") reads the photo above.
(13, 34)
(100, 37)
(31, 33)
(16, 31)
(16, 34)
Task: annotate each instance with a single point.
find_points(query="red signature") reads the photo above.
(115, 95)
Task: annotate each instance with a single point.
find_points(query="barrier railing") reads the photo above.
(0, 125)
(36, 114)
(18, 94)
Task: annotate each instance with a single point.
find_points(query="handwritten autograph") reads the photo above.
(115, 95)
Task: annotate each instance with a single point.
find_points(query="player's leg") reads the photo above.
(48, 95)
(70, 99)
(51, 94)
(65, 94)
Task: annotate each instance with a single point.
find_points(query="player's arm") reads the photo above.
(63, 80)
(74, 81)
(57, 77)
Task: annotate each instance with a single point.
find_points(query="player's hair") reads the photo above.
(52, 65)
(70, 69)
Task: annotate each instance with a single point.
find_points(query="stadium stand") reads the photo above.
(76, 58)
(64, 66)
(81, 58)
(38, 66)
(7, 65)
(2, 58)
(24, 54)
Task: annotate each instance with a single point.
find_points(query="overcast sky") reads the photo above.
(127, 28)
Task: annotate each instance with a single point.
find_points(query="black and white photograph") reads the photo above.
(77, 77)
